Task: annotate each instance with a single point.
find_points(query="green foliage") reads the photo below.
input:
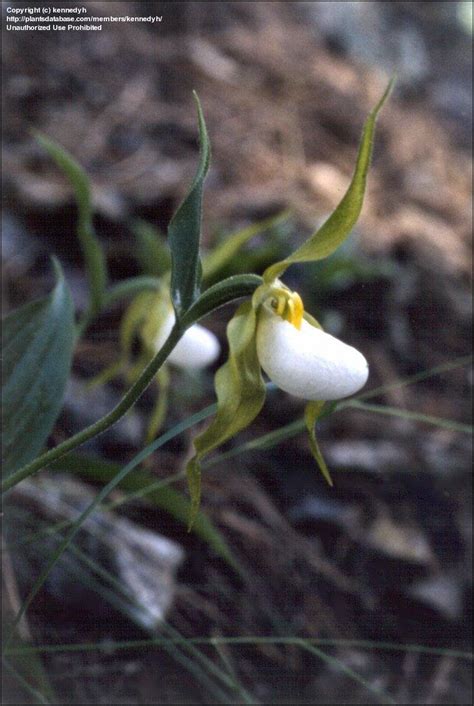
(160, 408)
(239, 384)
(171, 501)
(339, 225)
(224, 253)
(129, 287)
(115, 481)
(94, 257)
(228, 290)
(240, 395)
(184, 233)
(38, 342)
(152, 251)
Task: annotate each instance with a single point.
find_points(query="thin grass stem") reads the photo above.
(253, 640)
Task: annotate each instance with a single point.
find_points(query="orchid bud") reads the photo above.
(197, 348)
(302, 359)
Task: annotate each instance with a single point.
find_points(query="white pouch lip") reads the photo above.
(308, 363)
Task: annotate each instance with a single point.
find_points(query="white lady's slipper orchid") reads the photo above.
(302, 359)
(198, 347)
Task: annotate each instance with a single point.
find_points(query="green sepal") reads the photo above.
(312, 413)
(184, 233)
(133, 319)
(154, 320)
(240, 396)
(160, 407)
(94, 256)
(339, 225)
(112, 371)
(143, 318)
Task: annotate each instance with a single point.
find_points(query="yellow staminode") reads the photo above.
(289, 306)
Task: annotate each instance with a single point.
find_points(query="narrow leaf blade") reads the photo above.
(339, 225)
(184, 233)
(38, 341)
(152, 252)
(94, 256)
(228, 249)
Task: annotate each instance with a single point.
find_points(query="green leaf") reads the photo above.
(38, 341)
(152, 253)
(184, 233)
(130, 287)
(240, 396)
(94, 257)
(312, 413)
(223, 253)
(339, 225)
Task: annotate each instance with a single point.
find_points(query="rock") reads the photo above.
(113, 562)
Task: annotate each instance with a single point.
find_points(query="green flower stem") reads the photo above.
(103, 424)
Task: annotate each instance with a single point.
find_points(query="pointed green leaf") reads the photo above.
(240, 396)
(94, 256)
(129, 287)
(152, 253)
(37, 341)
(184, 233)
(223, 253)
(339, 225)
(311, 415)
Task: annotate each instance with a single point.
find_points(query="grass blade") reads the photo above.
(141, 484)
(24, 684)
(413, 416)
(251, 640)
(334, 662)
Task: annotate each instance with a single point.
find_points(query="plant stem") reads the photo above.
(104, 423)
